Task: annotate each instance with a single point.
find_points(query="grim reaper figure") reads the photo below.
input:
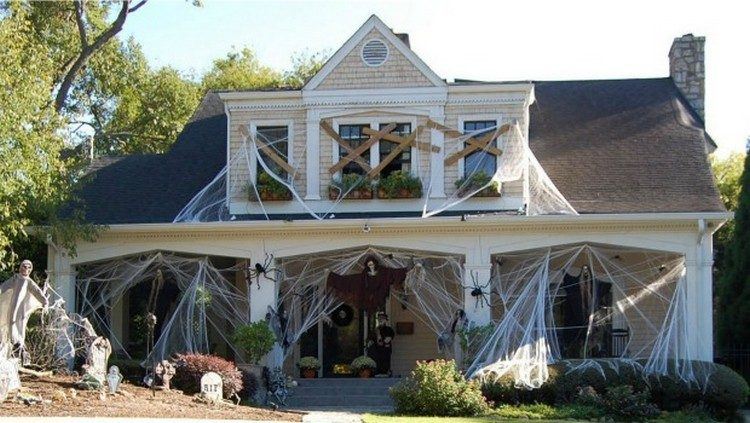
(20, 296)
(368, 289)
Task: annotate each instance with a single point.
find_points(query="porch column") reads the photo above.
(698, 286)
(262, 294)
(62, 276)
(478, 265)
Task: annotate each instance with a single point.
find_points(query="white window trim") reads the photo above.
(374, 122)
(254, 124)
(469, 118)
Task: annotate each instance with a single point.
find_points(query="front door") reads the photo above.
(343, 340)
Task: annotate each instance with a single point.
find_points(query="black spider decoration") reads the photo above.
(481, 296)
(260, 269)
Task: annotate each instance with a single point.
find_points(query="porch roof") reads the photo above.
(610, 146)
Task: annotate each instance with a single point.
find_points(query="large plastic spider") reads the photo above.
(479, 292)
(256, 270)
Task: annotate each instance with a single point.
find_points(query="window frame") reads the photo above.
(374, 123)
(472, 118)
(262, 123)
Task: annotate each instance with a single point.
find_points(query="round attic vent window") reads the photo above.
(374, 53)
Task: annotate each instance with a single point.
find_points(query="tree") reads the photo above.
(727, 173)
(240, 70)
(733, 320)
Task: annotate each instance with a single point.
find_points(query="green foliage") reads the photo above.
(352, 181)
(309, 362)
(476, 181)
(733, 287)
(256, 339)
(266, 183)
(304, 66)
(240, 70)
(547, 412)
(503, 390)
(400, 180)
(623, 402)
(363, 362)
(472, 339)
(438, 389)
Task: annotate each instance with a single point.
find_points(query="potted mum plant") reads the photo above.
(478, 181)
(363, 366)
(269, 189)
(400, 184)
(308, 367)
(351, 186)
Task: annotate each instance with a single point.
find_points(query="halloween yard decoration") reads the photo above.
(381, 348)
(20, 296)
(95, 369)
(368, 289)
(165, 371)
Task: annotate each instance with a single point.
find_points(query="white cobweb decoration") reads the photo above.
(264, 176)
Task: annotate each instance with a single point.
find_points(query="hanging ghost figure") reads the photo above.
(369, 289)
(20, 296)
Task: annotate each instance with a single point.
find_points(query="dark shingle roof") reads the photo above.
(623, 146)
(616, 146)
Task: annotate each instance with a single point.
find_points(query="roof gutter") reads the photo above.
(716, 218)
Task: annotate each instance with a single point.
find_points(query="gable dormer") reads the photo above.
(374, 57)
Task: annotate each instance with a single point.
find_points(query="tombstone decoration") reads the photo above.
(9, 380)
(212, 386)
(113, 379)
(97, 354)
(165, 371)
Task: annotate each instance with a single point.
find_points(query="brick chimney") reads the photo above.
(404, 37)
(687, 69)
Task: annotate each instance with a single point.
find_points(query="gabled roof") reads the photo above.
(614, 146)
(372, 23)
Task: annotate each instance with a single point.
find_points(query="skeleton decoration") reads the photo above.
(165, 371)
(19, 298)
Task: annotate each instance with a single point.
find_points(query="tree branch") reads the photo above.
(137, 6)
(88, 50)
(80, 22)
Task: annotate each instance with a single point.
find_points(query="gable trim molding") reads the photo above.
(372, 23)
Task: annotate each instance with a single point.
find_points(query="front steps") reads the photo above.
(342, 394)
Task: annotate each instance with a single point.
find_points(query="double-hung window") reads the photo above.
(479, 160)
(353, 135)
(403, 160)
(277, 139)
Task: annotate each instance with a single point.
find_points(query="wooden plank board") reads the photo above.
(270, 152)
(405, 143)
(331, 133)
(478, 144)
(424, 146)
(444, 129)
(357, 152)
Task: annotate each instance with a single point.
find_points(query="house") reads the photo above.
(573, 217)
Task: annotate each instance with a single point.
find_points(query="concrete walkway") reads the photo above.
(332, 417)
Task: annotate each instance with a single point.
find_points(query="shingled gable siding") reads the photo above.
(453, 113)
(238, 175)
(353, 73)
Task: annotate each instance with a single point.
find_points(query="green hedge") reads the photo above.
(719, 388)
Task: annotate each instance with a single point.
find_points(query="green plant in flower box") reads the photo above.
(400, 184)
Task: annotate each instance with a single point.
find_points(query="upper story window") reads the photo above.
(276, 138)
(355, 137)
(479, 161)
(403, 160)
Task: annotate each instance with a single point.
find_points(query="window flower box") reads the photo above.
(400, 184)
(469, 184)
(268, 189)
(353, 186)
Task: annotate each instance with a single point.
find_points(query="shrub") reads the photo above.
(256, 339)
(308, 362)
(437, 389)
(191, 367)
(249, 385)
(503, 390)
(622, 401)
(726, 391)
(476, 181)
(363, 362)
(351, 181)
(547, 412)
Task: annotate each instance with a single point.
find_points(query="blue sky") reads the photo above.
(499, 40)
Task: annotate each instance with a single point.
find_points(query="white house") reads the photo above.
(555, 179)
